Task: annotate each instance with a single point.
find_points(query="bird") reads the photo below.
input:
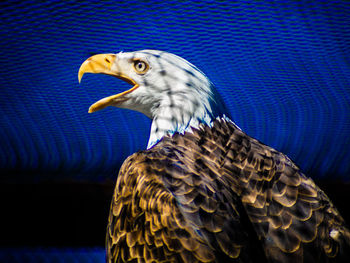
(203, 190)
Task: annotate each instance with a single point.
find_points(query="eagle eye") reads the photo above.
(140, 66)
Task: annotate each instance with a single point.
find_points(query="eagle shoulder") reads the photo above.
(218, 195)
(171, 203)
(145, 221)
(292, 216)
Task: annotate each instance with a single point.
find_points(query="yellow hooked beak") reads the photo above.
(102, 63)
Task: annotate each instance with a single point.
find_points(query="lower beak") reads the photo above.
(103, 63)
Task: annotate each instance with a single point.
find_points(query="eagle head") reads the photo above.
(175, 94)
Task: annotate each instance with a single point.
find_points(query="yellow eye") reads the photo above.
(140, 66)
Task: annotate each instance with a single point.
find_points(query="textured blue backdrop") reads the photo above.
(52, 255)
(282, 68)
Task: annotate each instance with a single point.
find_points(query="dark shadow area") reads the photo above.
(75, 215)
(58, 215)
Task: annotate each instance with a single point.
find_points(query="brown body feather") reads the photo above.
(217, 195)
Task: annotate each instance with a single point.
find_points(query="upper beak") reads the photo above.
(103, 63)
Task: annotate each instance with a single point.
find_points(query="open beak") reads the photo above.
(103, 63)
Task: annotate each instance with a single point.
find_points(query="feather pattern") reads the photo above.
(204, 191)
(217, 195)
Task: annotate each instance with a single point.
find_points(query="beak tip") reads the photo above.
(80, 76)
(85, 67)
(91, 109)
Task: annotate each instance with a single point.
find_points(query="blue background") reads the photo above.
(282, 68)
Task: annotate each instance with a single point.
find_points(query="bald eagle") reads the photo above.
(203, 190)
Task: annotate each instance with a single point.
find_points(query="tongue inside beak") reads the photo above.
(102, 63)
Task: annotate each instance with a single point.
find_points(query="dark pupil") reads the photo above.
(140, 65)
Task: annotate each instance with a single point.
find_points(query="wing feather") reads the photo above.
(145, 221)
(300, 216)
(217, 195)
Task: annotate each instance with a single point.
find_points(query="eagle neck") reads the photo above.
(178, 114)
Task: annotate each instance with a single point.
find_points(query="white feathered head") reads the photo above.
(175, 94)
